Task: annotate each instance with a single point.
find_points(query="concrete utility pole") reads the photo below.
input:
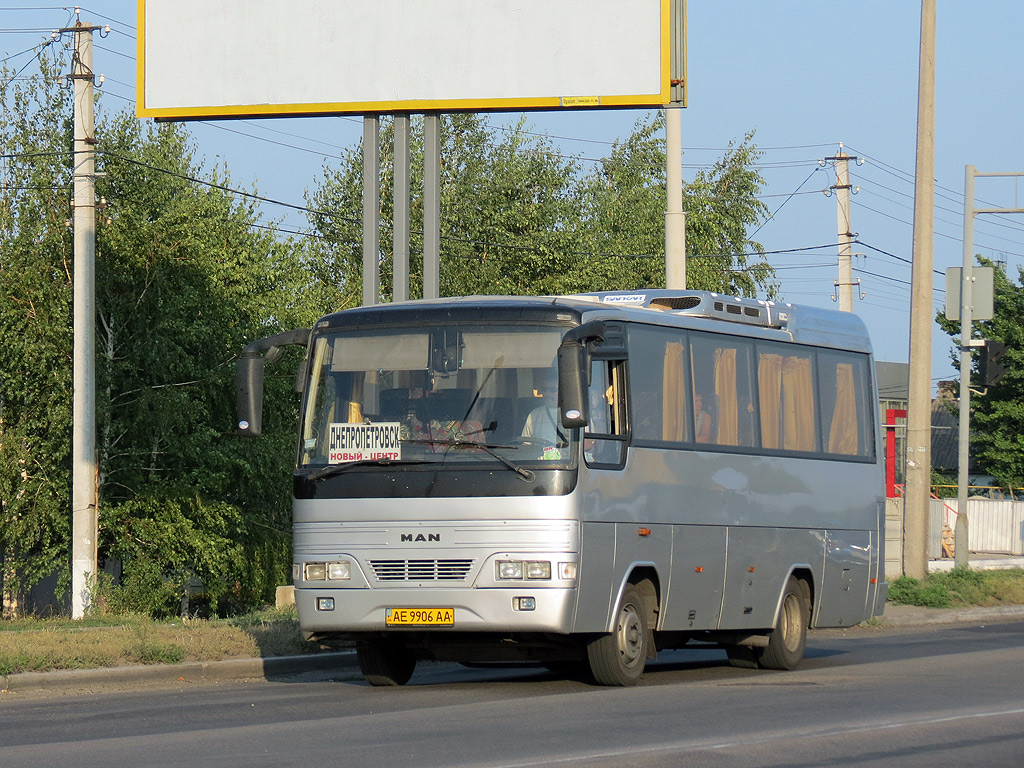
(675, 219)
(919, 405)
(84, 492)
(845, 282)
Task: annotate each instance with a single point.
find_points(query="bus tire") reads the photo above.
(787, 641)
(385, 662)
(619, 658)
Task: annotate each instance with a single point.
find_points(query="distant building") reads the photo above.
(893, 395)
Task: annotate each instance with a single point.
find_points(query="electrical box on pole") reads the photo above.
(991, 365)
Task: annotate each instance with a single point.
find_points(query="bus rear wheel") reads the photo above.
(788, 640)
(619, 658)
(386, 662)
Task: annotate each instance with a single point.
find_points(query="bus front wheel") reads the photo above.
(385, 662)
(619, 658)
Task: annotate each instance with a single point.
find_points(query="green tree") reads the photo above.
(506, 214)
(997, 414)
(185, 278)
(517, 217)
(35, 331)
(624, 216)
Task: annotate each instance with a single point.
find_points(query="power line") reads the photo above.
(37, 56)
(90, 12)
(223, 188)
(791, 195)
(16, 55)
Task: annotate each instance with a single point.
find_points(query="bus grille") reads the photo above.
(420, 570)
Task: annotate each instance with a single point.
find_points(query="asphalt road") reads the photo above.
(920, 696)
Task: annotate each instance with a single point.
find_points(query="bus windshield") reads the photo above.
(466, 395)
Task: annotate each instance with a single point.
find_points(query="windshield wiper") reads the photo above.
(331, 470)
(487, 448)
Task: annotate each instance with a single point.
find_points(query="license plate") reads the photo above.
(434, 617)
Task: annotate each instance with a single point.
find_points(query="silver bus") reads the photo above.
(582, 481)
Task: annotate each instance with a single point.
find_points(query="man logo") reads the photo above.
(421, 537)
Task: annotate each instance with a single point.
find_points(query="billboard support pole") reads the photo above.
(400, 265)
(675, 219)
(371, 209)
(431, 205)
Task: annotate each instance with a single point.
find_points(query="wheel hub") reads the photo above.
(631, 639)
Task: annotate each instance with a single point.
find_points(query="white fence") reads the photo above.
(994, 527)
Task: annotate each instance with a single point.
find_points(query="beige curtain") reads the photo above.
(769, 385)
(673, 413)
(798, 404)
(725, 390)
(843, 435)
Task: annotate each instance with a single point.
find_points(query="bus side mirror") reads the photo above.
(249, 403)
(249, 377)
(573, 367)
(574, 373)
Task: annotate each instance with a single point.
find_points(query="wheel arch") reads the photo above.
(644, 576)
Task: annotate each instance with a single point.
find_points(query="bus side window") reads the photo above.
(787, 398)
(846, 417)
(604, 441)
(723, 394)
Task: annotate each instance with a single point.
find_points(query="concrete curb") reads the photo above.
(911, 615)
(344, 662)
(197, 671)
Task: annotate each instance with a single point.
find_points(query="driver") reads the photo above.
(542, 424)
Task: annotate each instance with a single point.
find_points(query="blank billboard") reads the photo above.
(210, 58)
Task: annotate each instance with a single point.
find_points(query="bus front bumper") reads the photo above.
(501, 610)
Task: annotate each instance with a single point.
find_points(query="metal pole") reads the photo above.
(400, 250)
(919, 405)
(675, 219)
(960, 530)
(84, 492)
(371, 209)
(431, 206)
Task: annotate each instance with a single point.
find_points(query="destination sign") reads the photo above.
(364, 442)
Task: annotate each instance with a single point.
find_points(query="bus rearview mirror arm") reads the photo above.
(249, 377)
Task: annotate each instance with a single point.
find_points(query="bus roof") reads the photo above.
(679, 308)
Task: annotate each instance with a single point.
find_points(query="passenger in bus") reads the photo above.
(701, 420)
(542, 423)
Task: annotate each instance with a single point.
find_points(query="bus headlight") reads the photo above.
(341, 570)
(540, 569)
(315, 571)
(337, 571)
(509, 569)
(519, 569)
(567, 571)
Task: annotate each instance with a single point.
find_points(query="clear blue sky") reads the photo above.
(804, 75)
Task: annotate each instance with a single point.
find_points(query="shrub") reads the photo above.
(909, 591)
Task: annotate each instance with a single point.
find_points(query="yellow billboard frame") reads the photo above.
(416, 105)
